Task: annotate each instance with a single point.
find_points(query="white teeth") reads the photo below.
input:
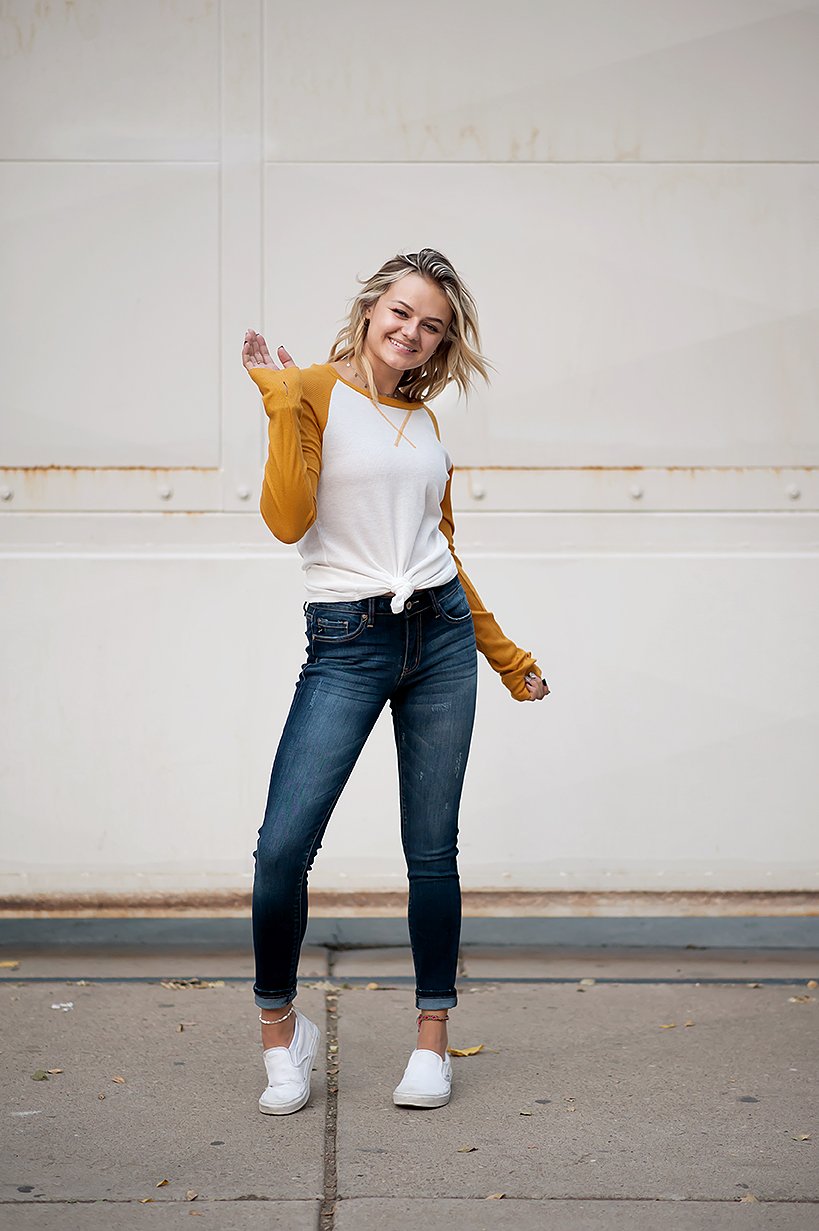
(406, 349)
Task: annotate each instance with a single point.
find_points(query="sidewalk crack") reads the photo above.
(327, 1213)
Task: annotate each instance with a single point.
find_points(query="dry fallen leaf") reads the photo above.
(100, 1096)
(180, 985)
(588, 982)
(753, 985)
(370, 987)
(39, 1075)
(466, 1149)
(119, 1080)
(667, 1025)
(10, 965)
(190, 1195)
(162, 1183)
(465, 1051)
(799, 999)
(812, 983)
(688, 1023)
(143, 1200)
(524, 1113)
(749, 1197)
(495, 1196)
(803, 1137)
(54, 1070)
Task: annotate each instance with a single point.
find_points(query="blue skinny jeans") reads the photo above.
(361, 655)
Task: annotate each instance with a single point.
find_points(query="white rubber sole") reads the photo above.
(421, 1100)
(286, 1109)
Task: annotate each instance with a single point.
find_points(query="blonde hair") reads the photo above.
(457, 356)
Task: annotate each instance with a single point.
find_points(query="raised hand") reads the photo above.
(256, 355)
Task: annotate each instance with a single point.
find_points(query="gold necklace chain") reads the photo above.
(359, 377)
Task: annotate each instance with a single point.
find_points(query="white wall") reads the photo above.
(631, 192)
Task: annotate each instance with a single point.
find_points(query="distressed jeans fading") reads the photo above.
(360, 656)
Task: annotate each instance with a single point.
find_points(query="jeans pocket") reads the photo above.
(336, 626)
(453, 604)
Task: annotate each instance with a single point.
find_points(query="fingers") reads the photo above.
(536, 686)
(255, 353)
(248, 358)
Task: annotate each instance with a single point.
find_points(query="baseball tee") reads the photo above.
(365, 494)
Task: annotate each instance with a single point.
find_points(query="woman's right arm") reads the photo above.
(291, 473)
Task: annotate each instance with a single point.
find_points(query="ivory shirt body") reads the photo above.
(378, 503)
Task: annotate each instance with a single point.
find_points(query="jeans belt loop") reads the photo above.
(434, 597)
(370, 611)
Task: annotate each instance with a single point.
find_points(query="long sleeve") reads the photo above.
(503, 655)
(291, 473)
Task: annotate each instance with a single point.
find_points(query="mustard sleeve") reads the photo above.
(293, 466)
(503, 655)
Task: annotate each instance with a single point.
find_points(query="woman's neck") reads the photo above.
(386, 378)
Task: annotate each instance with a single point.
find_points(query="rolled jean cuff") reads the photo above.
(274, 1002)
(443, 1001)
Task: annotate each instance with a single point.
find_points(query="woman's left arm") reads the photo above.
(516, 667)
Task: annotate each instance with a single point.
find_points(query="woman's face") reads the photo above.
(407, 323)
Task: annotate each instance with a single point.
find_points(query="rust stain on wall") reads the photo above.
(476, 902)
(35, 470)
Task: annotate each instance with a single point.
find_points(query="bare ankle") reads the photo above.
(432, 1031)
(278, 1026)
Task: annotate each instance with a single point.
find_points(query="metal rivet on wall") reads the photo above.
(635, 492)
(476, 488)
(6, 493)
(165, 492)
(793, 492)
(242, 492)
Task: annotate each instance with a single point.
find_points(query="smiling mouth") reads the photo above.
(406, 350)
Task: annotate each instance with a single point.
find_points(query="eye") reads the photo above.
(399, 312)
(432, 329)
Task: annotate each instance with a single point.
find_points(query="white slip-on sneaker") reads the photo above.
(427, 1080)
(289, 1070)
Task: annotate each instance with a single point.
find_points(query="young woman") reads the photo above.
(357, 476)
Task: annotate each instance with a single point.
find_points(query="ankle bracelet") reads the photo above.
(276, 1020)
(426, 1017)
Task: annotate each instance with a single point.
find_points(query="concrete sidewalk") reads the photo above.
(669, 1090)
